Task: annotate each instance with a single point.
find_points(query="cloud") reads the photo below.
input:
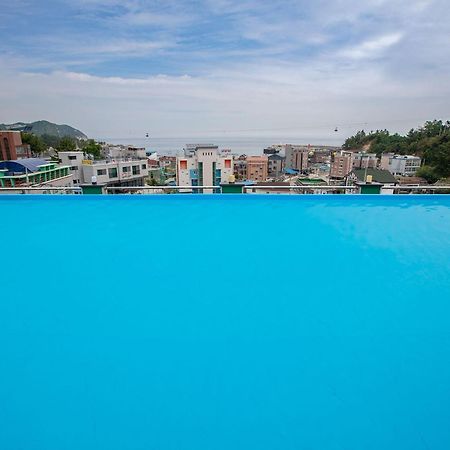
(372, 48)
(196, 66)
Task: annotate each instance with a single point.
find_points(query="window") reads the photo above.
(112, 172)
(72, 157)
(144, 166)
(125, 169)
(183, 164)
(73, 167)
(101, 171)
(7, 149)
(136, 170)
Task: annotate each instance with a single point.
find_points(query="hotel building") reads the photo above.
(203, 165)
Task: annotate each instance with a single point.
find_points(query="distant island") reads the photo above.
(45, 128)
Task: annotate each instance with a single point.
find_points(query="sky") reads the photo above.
(123, 68)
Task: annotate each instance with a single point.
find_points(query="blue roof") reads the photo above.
(23, 165)
(291, 171)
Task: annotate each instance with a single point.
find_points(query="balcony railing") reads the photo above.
(217, 189)
(42, 190)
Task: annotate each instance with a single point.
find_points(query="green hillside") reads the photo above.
(43, 127)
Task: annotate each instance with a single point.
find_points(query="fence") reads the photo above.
(407, 189)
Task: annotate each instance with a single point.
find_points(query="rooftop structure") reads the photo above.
(33, 172)
(373, 175)
(124, 151)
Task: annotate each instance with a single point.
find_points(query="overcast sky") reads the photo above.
(116, 68)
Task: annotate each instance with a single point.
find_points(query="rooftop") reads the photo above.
(378, 175)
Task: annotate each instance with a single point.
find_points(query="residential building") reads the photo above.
(257, 168)
(320, 156)
(296, 157)
(128, 172)
(33, 172)
(11, 146)
(362, 160)
(74, 160)
(203, 165)
(373, 180)
(341, 164)
(401, 165)
(168, 163)
(124, 151)
(114, 172)
(240, 167)
(275, 165)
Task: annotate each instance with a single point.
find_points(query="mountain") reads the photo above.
(44, 127)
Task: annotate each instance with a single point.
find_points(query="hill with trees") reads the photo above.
(431, 142)
(44, 127)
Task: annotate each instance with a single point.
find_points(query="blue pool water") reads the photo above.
(224, 322)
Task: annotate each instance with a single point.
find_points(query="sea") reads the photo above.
(249, 145)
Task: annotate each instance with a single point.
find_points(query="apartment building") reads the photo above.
(11, 146)
(74, 160)
(296, 157)
(275, 165)
(362, 160)
(341, 164)
(114, 172)
(240, 167)
(400, 165)
(203, 165)
(257, 168)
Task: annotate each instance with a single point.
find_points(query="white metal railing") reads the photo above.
(245, 189)
(44, 189)
(109, 189)
(216, 189)
(420, 188)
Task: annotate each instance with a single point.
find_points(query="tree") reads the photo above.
(66, 144)
(428, 173)
(431, 142)
(51, 140)
(36, 144)
(92, 148)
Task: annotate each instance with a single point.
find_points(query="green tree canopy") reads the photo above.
(66, 144)
(431, 142)
(36, 144)
(93, 148)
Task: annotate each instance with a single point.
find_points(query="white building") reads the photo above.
(120, 172)
(74, 160)
(123, 151)
(203, 165)
(401, 165)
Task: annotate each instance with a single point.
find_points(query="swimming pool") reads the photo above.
(225, 322)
